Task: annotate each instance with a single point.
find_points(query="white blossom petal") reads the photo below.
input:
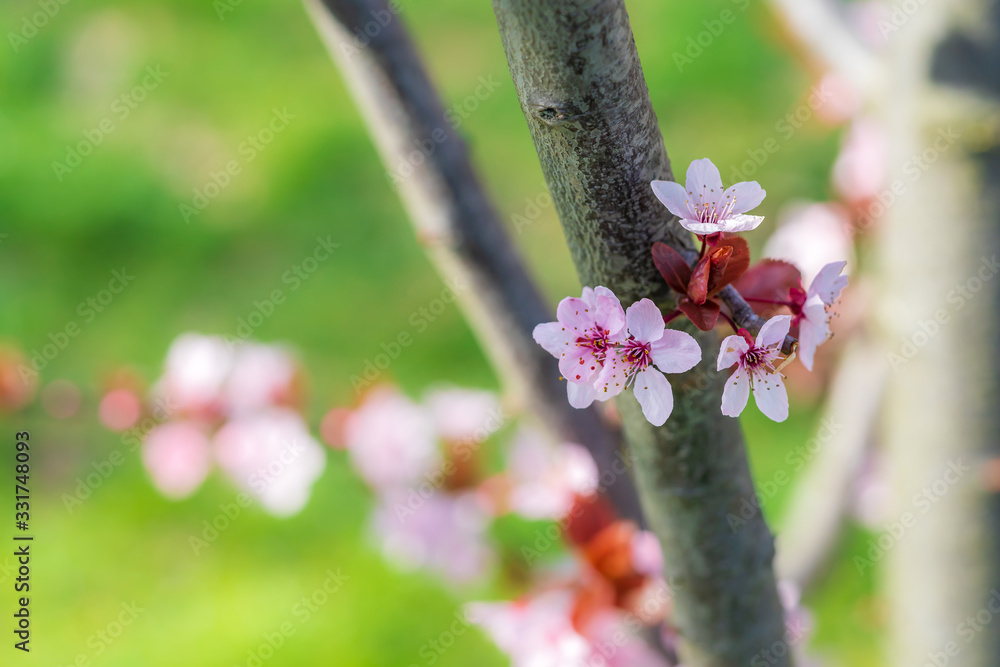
(774, 331)
(736, 393)
(653, 392)
(674, 197)
(581, 395)
(772, 399)
(645, 321)
(747, 196)
(675, 352)
(732, 350)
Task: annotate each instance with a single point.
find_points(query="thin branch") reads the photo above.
(583, 94)
(458, 223)
(822, 29)
(823, 492)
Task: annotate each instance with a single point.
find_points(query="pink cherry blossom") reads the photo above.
(272, 455)
(614, 643)
(585, 330)
(444, 533)
(861, 169)
(261, 376)
(704, 207)
(647, 555)
(546, 477)
(462, 415)
(196, 369)
(631, 363)
(755, 369)
(813, 318)
(811, 236)
(391, 440)
(534, 632)
(177, 457)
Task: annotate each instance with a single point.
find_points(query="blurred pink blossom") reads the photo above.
(612, 641)
(871, 495)
(843, 100)
(177, 457)
(464, 414)
(860, 172)
(539, 632)
(120, 409)
(261, 376)
(534, 632)
(647, 556)
(546, 477)
(195, 372)
(272, 455)
(391, 440)
(443, 533)
(810, 236)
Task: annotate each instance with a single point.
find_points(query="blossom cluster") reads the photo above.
(236, 408)
(604, 349)
(435, 501)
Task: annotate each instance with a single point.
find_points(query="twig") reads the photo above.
(457, 222)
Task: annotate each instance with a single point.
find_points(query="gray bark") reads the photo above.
(582, 91)
(458, 224)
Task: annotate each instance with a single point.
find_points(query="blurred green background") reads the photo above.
(65, 233)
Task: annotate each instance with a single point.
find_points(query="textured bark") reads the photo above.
(583, 94)
(459, 225)
(942, 400)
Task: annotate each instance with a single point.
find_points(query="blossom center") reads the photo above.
(595, 340)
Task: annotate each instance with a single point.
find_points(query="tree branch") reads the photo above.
(583, 94)
(458, 224)
(822, 494)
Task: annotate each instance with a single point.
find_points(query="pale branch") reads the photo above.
(584, 97)
(822, 29)
(458, 224)
(823, 492)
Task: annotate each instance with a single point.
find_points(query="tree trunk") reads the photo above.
(583, 94)
(939, 314)
(459, 226)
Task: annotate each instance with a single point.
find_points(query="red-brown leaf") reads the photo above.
(672, 267)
